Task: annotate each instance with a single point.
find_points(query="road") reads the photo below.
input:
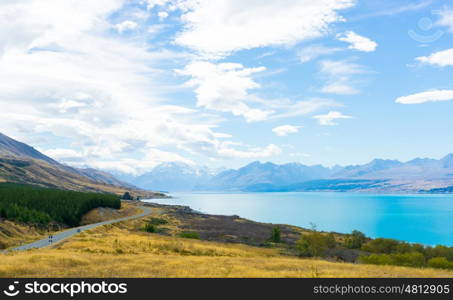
(73, 231)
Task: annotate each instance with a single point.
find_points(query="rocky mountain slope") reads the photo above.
(21, 163)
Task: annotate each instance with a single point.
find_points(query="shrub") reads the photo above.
(440, 263)
(330, 241)
(376, 259)
(149, 228)
(276, 235)
(157, 221)
(413, 259)
(381, 245)
(312, 244)
(189, 235)
(355, 240)
(127, 196)
(439, 251)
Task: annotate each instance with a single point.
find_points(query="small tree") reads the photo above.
(276, 235)
(330, 240)
(355, 240)
(312, 244)
(127, 196)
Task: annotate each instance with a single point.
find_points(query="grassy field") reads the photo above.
(123, 250)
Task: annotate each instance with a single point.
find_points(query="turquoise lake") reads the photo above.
(426, 219)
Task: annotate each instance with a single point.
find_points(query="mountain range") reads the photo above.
(21, 163)
(380, 176)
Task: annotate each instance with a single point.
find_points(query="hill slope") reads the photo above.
(20, 163)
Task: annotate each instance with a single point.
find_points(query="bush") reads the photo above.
(355, 240)
(439, 251)
(127, 196)
(275, 235)
(413, 259)
(381, 245)
(440, 263)
(150, 228)
(189, 235)
(330, 240)
(376, 259)
(157, 221)
(312, 244)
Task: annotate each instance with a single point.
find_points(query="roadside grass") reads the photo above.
(124, 251)
(13, 234)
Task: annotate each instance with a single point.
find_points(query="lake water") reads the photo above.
(426, 219)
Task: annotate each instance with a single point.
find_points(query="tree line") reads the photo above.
(379, 251)
(36, 205)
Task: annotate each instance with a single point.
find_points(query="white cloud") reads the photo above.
(357, 42)
(61, 154)
(339, 75)
(126, 26)
(153, 3)
(429, 96)
(220, 27)
(162, 15)
(329, 119)
(442, 58)
(284, 130)
(446, 18)
(224, 87)
(303, 107)
(339, 88)
(314, 51)
(66, 80)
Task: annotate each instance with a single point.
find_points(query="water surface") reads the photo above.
(426, 219)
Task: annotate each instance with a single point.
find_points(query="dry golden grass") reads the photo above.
(13, 234)
(119, 251)
(104, 213)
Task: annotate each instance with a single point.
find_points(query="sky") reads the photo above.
(124, 85)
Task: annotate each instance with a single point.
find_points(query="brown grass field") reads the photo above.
(122, 250)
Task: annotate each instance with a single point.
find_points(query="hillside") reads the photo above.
(12, 148)
(20, 163)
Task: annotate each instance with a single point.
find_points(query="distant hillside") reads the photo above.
(20, 163)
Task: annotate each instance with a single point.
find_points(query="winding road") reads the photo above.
(73, 231)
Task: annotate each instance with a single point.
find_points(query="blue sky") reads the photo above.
(125, 85)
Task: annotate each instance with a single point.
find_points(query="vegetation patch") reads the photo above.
(189, 235)
(30, 204)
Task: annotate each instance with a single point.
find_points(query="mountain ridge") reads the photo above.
(21, 163)
(379, 175)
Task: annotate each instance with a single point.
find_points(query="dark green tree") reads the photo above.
(276, 235)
